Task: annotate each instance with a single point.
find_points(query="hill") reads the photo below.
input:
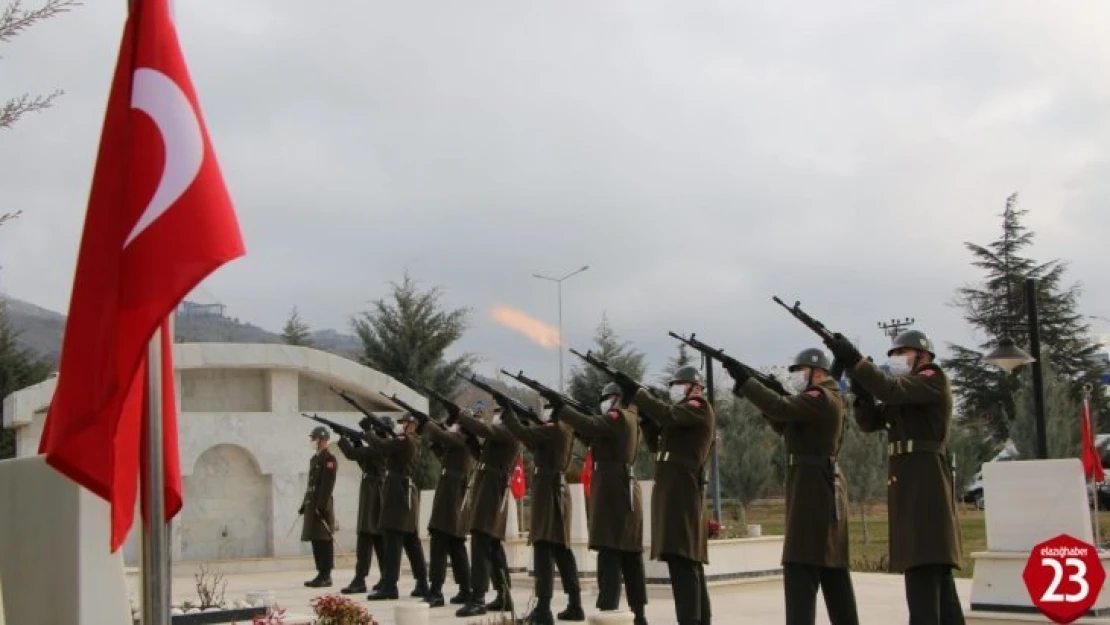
(41, 329)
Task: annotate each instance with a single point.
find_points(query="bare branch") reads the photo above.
(6, 217)
(15, 19)
(13, 109)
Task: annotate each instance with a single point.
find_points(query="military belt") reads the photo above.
(794, 460)
(482, 466)
(689, 463)
(551, 471)
(613, 464)
(899, 448)
(454, 472)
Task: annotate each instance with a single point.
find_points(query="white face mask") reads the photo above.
(453, 428)
(797, 380)
(398, 428)
(497, 419)
(545, 414)
(605, 406)
(899, 365)
(678, 392)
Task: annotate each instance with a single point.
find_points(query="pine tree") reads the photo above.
(407, 337)
(296, 331)
(19, 368)
(674, 364)
(998, 309)
(746, 447)
(1062, 414)
(586, 381)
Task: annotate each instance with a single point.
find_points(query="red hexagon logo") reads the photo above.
(1064, 577)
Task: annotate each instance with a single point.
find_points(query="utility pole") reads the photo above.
(895, 326)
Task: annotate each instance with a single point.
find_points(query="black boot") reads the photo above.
(382, 594)
(498, 604)
(434, 597)
(461, 598)
(541, 614)
(473, 608)
(574, 610)
(321, 580)
(638, 612)
(420, 590)
(357, 586)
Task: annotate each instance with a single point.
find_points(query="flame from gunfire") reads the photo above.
(535, 330)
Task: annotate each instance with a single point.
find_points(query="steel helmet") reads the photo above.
(914, 339)
(811, 357)
(687, 375)
(610, 389)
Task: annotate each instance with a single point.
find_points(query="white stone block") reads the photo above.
(427, 498)
(1030, 501)
(48, 518)
(998, 585)
(411, 613)
(579, 528)
(646, 488)
(512, 523)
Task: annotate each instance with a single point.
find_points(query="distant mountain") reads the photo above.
(41, 329)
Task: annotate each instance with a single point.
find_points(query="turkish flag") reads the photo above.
(1092, 461)
(159, 221)
(519, 483)
(587, 471)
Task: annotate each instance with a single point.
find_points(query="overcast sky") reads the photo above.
(698, 156)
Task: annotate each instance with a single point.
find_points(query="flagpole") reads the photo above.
(156, 587)
(1091, 478)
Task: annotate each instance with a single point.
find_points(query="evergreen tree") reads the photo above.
(998, 309)
(863, 461)
(407, 337)
(1062, 415)
(296, 331)
(746, 448)
(674, 364)
(19, 368)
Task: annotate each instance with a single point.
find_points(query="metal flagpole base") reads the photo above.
(155, 570)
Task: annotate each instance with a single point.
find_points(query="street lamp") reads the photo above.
(559, 283)
(1008, 356)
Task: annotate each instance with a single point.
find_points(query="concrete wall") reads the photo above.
(244, 446)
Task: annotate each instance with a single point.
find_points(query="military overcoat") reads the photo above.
(488, 495)
(678, 518)
(616, 503)
(317, 506)
(456, 463)
(551, 445)
(370, 488)
(400, 497)
(916, 412)
(816, 496)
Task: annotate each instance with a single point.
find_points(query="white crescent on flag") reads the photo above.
(157, 95)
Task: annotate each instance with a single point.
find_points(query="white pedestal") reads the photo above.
(48, 518)
(411, 613)
(427, 497)
(612, 618)
(1027, 502)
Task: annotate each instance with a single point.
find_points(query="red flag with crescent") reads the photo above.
(159, 220)
(587, 471)
(519, 483)
(1092, 460)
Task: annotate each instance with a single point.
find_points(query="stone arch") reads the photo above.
(228, 510)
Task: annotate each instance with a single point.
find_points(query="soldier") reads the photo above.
(916, 412)
(549, 535)
(679, 535)
(488, 500)
(318, 508)
(616, 504)
(400, 509)
(369, 508)
(447, 525)
(816, 551)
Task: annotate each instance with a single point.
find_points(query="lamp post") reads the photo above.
(1008, 356)
(559, 283)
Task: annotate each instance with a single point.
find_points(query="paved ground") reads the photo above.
(880, 598)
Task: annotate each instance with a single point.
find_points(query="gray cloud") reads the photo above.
(699, 157)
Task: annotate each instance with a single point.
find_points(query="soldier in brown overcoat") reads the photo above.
(815, 554)
(369, 508)
(687, 427)
(551, 445)
(319, 509)
(448, 525)
(616, 503)
(400, 510)
(488, 501)
(916, 412)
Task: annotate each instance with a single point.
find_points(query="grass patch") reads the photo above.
(869, 534)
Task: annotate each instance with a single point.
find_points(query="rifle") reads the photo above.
(453, 409)
(607, 368)
(548, 393)
(378, 424)
(730, 362)
(339, 429)
(416, 414)
(518, 407)
(818, 328)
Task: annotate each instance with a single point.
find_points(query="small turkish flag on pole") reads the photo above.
(519, 483)
(587, 471)
(159, 221)
(1092, 461)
